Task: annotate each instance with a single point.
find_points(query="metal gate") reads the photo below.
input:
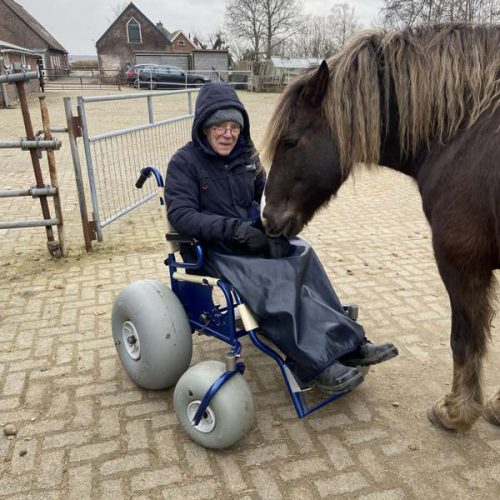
(115, 157)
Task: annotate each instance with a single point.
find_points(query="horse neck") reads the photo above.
(390, 143)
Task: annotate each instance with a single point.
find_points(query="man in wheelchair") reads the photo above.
(214, 185)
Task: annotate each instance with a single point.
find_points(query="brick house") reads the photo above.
(133, 38)
(20, 28)
(181, 43)
(131, 31)
(11, 55)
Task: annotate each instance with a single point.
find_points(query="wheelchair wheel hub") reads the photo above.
(207, 422)
(131, 340)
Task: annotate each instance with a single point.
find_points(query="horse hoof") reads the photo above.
(438, 421)
(490, 413)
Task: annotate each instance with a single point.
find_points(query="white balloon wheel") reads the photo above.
(151, 334)
(230, 413)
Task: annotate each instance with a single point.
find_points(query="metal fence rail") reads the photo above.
(95, 79)
(115, 157)
(35, 145)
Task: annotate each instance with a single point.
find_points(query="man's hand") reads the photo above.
(255, 242)
(252, 240)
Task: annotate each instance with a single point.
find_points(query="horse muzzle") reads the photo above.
(281, 224)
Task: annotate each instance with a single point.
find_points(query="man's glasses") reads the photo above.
(235, 129)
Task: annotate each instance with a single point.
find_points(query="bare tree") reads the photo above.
(116, 9)
(343, 22)
(243, 22)
(316, 38)
(322, 36)
(408, 13)
(263, 24)
(282, 19)
(401, 13)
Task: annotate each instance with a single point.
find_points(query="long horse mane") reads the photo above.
(442, 78)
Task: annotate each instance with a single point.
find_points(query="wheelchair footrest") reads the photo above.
(295, 386)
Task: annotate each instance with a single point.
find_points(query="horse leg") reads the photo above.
(469, 291)
(492, 409)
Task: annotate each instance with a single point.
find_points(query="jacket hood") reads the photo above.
(212, 97)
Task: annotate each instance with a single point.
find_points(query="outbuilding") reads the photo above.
(20, 28)
(15, 56)
(279, 71)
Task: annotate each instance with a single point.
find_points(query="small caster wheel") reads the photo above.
(229, 415)
(152, 334)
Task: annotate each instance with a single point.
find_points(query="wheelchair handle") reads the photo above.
(142, 179)
(146, 174)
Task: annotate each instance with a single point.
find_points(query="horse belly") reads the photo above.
(460, 187)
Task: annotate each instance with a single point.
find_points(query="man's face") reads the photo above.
(223, 137)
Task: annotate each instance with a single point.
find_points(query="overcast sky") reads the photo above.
(77, 25)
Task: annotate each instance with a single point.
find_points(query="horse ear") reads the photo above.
(315, 89)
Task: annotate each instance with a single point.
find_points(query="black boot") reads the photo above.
(338, 378)
(370, 354)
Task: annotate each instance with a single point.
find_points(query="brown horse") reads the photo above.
(423, 102)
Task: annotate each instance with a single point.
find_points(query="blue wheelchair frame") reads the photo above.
(220, 322)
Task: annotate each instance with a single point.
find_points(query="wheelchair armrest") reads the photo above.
(174, 239)
(180, 238)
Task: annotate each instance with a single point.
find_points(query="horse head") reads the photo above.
(305, 170)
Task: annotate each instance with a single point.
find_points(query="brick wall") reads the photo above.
(114, 50)
(32, 86)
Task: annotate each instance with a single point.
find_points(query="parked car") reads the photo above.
(169, 77)
(132, 73)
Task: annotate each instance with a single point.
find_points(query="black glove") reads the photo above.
(278, 247)
(251, 240)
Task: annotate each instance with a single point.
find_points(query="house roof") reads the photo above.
(162, 28)
(34, 25)
(124, 13)
(10, 47)
(295, 62)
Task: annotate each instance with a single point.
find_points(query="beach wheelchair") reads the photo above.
(152, 328)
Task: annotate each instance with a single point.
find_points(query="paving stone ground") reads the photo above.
(85, 431)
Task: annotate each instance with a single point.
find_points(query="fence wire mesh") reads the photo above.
(118, 160)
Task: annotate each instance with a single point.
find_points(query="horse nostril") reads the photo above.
(274, 224)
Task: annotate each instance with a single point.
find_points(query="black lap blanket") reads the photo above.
(295, 304)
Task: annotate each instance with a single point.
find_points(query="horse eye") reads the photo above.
(290, 143)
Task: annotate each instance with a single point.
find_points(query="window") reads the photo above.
(181, 43)
(133, 31)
